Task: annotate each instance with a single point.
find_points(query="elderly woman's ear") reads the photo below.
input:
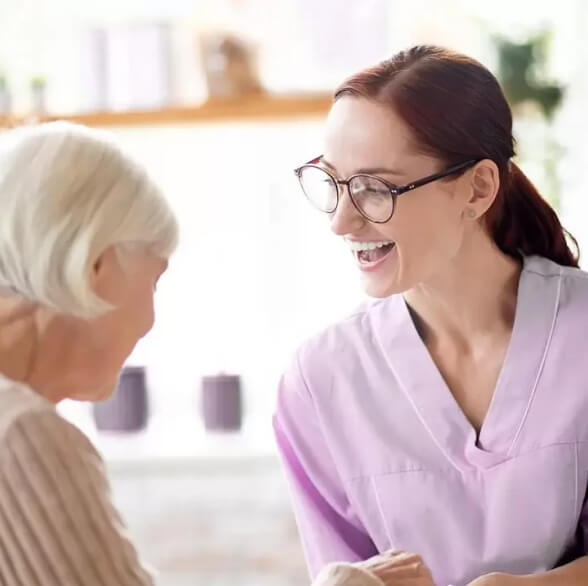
(107, 275)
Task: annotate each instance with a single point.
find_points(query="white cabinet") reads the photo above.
(214, 522)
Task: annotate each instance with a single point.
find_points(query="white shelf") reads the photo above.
(257, 107)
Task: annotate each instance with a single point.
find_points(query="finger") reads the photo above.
(402, 559)
(407, 582)
(412, 570)
(390, 559)
(380, 559)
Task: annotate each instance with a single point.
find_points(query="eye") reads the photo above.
(370, 187)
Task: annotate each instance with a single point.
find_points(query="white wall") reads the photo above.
(573, 125)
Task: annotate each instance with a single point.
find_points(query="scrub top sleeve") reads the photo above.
(329, 529)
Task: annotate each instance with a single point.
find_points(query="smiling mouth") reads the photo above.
(373, 256)
(368, 253)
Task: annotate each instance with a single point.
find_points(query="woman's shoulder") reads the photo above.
(31, 426)
(345, 339)
(573, 281)
(55, 495)
(350, 325)
(550, 269)
(18, 400)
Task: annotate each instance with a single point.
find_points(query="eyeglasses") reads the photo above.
(373, 197)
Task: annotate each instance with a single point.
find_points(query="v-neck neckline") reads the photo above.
(426, 389)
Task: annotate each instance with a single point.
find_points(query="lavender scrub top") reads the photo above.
(379, 455)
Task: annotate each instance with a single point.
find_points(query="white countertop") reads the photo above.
(177, 443)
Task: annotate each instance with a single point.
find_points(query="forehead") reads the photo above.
(363, 133)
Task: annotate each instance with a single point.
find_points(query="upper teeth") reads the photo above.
(367, 245)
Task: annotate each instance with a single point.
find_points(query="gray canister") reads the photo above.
(222, 402)
(127, 410)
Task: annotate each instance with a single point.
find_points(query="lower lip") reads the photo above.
(369, 267)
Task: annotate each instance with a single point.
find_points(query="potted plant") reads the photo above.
(534, 99)
(521, 70)
(5, 97)
(38, 87)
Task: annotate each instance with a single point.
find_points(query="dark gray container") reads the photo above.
(128, 409)
(222, 404)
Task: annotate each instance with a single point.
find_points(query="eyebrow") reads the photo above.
(366, 170)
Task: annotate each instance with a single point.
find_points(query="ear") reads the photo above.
(484, 186)
(106, 273)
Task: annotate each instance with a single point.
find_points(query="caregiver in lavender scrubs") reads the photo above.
(448, 418)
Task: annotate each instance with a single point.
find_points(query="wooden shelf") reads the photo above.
(245, 108)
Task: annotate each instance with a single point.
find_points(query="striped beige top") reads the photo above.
(58, 526)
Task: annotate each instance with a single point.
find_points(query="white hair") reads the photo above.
(67, 194)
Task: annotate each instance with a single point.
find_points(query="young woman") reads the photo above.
(448, 418)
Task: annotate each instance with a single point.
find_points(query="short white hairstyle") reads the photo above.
(67, 194)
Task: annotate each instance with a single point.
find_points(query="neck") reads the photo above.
(21, 327)
(17, 338)
(474, 296)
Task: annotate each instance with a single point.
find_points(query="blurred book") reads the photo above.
(138, 66)
(92, 70)
(126, 67)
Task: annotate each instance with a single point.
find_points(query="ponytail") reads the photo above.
(522, 222)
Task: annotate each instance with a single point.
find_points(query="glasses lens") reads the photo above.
(319, 188)
(372, 197)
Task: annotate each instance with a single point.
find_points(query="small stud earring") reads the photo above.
(471, 213)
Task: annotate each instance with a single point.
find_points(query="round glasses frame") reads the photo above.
(394, 190)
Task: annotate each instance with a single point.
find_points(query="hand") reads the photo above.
(397, 568)
(496, 579)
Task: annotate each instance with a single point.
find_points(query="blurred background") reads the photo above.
(221, 99)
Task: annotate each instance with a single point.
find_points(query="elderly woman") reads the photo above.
(84, 238)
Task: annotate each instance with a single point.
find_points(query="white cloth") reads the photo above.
(341, 574)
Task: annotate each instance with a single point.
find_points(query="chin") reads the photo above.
(380, 289)
(103, 393)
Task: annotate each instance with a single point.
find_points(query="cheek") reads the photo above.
(143, 312)
(135, 317)
(111, 338)
(431, 226)
(427, 238)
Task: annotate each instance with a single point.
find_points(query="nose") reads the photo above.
(346, 219)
